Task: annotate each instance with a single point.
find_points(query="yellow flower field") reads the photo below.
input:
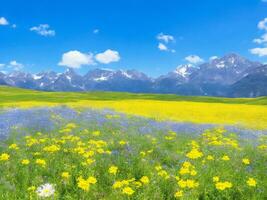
(250, 116)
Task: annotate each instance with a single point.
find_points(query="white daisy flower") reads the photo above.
(45, 190)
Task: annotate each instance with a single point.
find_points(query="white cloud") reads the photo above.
(76, 59)
(213, 57)
(262, 25)
(108, 56)
(194, 59)
(261, 40)
(162, 47)
(165, 38)
(15, 65)
(14, 26)
(259, 51)
(3, 21)
(2, 65)
(96, 31)
(43, 29)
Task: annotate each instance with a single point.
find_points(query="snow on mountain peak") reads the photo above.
(36, 76)
(101, 78)
(125, 73)
(184, 70)
(221, 64)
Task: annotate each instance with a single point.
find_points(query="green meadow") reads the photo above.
(13, 95)
(93, 153)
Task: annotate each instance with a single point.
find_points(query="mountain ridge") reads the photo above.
(230, 76)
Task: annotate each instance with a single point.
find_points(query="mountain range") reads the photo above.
(230, 76)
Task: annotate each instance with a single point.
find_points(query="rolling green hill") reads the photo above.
(10, 95)
(246, 112)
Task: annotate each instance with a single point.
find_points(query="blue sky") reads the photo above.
(126, 34)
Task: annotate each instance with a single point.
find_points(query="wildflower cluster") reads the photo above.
(107, 161)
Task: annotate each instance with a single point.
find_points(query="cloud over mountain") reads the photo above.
(76, 59)
(194, 59)
(108, 56)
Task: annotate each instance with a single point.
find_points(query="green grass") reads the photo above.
(169, 154)
(140, 156)
(13, 95)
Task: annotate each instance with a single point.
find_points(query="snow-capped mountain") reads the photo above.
(20, 79)
(108, 74)
(120, 80)
(225, 71)
(252, 85)
(185, 70)
(175, 80)
(230, 75)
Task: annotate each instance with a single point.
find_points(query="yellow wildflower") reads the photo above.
(251, 182)
(40, 162)
(4, 157)
(225, 158)
(89, 161)
(187, 164)
(51, 148)
(163, 174)
(113, 170)
(137, 184)
(144, 180)
(117, 184)
(246, 161)
(125, 182)
(178, 194)
(184, 170)
(128, 191)
(223, 185)
(92, 180)
(108, 152)
(13, 146)
(209, 157)
(262, 147)
(182, 183)
(191, 183)
(100, 151)
(25, 162)
(122, 142)
(88, 154)
(65, 175)
(193, 173)
(96, 133)
(158, 167)
(83, 184)
(194, 154)
(31, 141)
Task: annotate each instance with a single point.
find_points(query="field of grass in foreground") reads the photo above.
(110, 157)
(245, 112)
